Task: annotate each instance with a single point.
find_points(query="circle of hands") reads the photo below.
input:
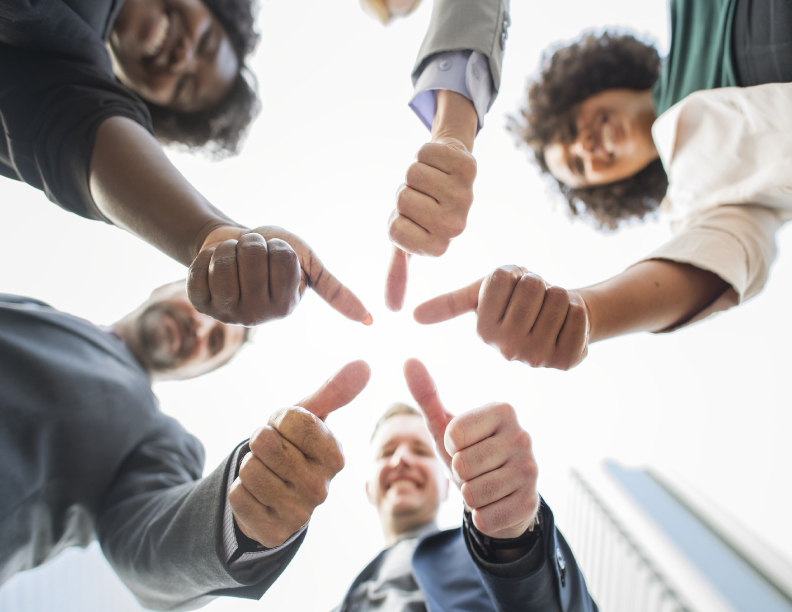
(248, 277)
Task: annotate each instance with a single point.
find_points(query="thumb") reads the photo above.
(449, 305)
(340, 389)
(424, 391)
(396, 283)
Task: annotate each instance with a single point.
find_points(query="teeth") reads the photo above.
(156, 42)
(607, 138)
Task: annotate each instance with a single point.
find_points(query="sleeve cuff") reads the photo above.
(230, 542)
(464, 72)
(519, 568)
(735, 242)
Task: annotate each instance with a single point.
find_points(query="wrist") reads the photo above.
(589, 307)
(219, 232)
(455, 118)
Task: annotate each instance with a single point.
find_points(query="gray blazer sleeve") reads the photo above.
(475, 25)
(161, 528)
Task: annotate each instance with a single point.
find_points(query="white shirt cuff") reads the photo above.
(230, 543)
(464, 72)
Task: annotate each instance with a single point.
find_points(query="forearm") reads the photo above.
(650, 296)
(455, 117)
(134, 185)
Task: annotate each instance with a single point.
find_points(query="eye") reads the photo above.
(423, 451)
(216, 340)
(203, 44)
(572, 129)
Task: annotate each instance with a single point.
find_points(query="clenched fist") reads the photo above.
(432, 207)
(291, 462)
(522, 316)
(489, 455)
(249, 277)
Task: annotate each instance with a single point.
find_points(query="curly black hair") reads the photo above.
(569, 73)
(219, 131)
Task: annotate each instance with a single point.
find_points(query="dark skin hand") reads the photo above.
(237, 275)
(546, 326)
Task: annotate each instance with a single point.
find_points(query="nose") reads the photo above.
(203, 326)
(182, 56)
(585, 143)
(401, 456)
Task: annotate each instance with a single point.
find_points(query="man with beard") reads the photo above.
(86, 454)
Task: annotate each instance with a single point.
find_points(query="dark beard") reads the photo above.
(154, 342)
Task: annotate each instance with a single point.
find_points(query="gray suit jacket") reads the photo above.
(475, 25)
(85, 453)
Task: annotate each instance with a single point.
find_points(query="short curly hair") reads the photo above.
(219, 131)
(570, 73)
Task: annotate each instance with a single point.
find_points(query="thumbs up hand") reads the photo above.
(291, 462)
(489, 456)
(521, 315)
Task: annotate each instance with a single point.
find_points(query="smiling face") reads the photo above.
(172, 340)
(173, 53)
(407, 482)
(609, 138)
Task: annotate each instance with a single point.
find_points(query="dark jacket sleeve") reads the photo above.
(556, 585)
(161, 528)
(50, 108)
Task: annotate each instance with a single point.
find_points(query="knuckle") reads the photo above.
(558, 296)
(460, 466)
(413, 174)
(425, 152)
(481, 523)
(509, 351)
(469, 495)
(531, 284)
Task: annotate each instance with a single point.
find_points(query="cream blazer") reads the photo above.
(728, 155)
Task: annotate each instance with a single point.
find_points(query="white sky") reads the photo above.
(324, 160)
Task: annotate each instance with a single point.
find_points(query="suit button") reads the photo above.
(561, 566)
(445, 65)
(503, 39)
(476, 74)
(505, 25)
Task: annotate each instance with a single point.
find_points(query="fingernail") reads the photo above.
(368, 320)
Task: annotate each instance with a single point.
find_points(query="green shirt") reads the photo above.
(700, 56)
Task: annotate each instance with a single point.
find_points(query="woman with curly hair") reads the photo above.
(87, 88)
(620, 132)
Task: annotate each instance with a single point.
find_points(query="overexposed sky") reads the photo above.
(324, 160)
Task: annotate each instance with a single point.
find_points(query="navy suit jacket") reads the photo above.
(452, 581)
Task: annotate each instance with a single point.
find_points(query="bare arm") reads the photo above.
(650, 296)
(528, 320)
(237, 275)
(134, 185)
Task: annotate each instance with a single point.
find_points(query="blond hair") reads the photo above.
(378, 9)
(394, 410)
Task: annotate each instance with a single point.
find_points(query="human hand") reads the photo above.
(291, 462)
(520, 315)
(249, 277)
(432, 206)
(489, 456)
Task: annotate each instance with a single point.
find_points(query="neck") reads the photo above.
(126, 331)
(395, 529)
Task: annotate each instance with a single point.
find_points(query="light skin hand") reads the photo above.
(249, 277)
(291, 462)
(521, 316)
(489, 455)
(552, 327)
(433, 203)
